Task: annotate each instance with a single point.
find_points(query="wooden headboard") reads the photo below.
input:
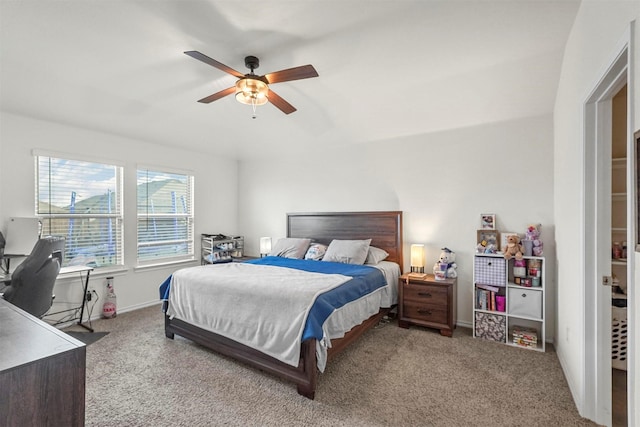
(384, 228)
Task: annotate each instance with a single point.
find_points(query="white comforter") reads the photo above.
(265, 310)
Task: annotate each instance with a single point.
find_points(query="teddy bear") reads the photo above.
(447, 263)
(514, 247)
(533, 234)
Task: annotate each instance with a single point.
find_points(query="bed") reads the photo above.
(384, 228)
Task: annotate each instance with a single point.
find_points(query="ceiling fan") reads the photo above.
(252, 89)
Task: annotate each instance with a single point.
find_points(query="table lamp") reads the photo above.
(417, 258)
(265, 246)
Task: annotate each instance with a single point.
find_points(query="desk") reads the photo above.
(42, 372)
(5, 266)
(66, 272)
(69, 271)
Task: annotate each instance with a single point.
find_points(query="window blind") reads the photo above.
(165, 216)
(82, 202)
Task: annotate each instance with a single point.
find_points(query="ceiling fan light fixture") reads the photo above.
(251, 91)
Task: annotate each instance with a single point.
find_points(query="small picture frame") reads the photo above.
(488, 221)
(489, 237)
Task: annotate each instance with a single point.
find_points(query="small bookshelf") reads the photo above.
(509, 300)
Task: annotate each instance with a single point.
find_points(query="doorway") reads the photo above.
(620, 236)
(603, 223)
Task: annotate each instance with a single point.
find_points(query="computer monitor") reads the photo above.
(22, 235)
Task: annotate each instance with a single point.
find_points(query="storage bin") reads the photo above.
(490, 271)
(491, 327)
(525, 302)
(619, 338)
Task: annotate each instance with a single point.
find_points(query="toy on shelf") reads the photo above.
(533, 235)
(486, 248)
(513, 247)
(446, 266)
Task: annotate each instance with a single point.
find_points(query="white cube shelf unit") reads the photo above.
(509, 303)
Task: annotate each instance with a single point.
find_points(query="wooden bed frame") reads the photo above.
(384, 228)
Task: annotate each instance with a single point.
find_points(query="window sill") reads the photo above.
(98, 272)
(161, 265)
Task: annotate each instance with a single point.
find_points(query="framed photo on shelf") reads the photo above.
(490, 237)
(488, 221)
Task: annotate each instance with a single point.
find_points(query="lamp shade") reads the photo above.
(251, 91)
(417, 258)
(265, 246)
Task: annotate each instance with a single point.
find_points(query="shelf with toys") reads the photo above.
(509, 292)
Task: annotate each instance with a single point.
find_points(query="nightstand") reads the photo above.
(425, 301)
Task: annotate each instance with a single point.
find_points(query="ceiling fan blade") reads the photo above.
(218, 95)
(219, 65)
(282, 105)
(296, 73)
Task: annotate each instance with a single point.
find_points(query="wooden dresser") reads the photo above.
(427, 302)
(42, 372)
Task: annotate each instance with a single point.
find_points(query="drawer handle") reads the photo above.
(425, 311)
(524, 295)
(424, 294)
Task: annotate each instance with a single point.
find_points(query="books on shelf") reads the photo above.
(488, 299)
(488, 287)
(525, 337)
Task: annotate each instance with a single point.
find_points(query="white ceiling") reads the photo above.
(387, 68)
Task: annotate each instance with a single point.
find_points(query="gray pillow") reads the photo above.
(347, 251)
(375, 255)
(290, 247)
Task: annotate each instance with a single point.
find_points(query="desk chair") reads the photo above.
(32, 282)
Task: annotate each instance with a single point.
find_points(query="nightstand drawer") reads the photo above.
(425, 294)
(425, 312)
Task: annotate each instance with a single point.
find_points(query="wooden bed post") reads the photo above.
(310, 368)
(167, 330)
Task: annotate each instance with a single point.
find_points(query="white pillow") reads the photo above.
(316, 251)
(375, 255)
(347, 251)
(290, 247)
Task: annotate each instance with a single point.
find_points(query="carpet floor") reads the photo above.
(389, 377)
(86, 337)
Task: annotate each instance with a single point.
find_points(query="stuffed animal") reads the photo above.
(486, 248)
(514, 247)
(491, 249)
(447, 263)
(533, 234)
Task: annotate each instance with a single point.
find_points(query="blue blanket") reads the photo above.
(364, 280)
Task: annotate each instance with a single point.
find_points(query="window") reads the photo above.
(81, 201)
(165, 216)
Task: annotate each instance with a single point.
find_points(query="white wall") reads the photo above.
(442, 182)
(215, 200)
(597, 31)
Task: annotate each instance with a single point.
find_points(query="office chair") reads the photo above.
(32, 282)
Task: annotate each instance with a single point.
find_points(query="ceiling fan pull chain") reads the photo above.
(253, 105)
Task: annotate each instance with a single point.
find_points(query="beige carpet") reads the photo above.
(390, 377)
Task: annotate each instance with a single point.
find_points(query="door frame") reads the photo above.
(597, 253)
